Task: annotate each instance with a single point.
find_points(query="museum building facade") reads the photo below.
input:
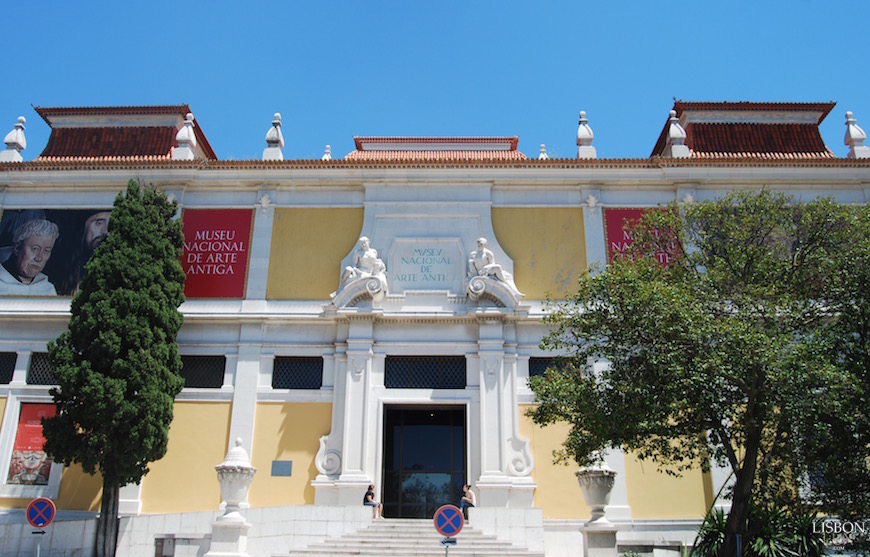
(374, 318)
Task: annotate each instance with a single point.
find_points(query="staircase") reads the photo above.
(396, 537)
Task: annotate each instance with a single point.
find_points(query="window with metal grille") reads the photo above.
(41, 371)
(539, 366)
(424, 372)
(205, 372)
(7, 366)
(297, 372)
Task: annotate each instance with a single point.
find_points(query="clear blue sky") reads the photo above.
(336, 69)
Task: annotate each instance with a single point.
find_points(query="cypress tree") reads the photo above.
(117, 365)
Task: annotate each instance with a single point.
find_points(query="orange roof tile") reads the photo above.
(750, 129)
(433, 155)
(405, 148)
(97, 132)
(110, 142)
(291, 165)
(740, 139)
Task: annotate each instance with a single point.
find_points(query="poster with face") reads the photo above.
(43, 251)
(29, 464)
(216, 251)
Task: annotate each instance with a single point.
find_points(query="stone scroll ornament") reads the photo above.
(327, 461)
(366, 277)
(486, 278)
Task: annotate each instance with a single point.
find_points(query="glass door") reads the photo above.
(424, 459)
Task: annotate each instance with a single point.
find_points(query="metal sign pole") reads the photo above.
(38, 541)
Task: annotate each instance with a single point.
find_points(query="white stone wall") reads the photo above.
(71, 536)
(523, 527)
(273, 530)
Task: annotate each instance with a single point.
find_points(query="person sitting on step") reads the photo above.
(369, 501)
(468, 500)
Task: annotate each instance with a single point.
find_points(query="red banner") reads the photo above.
(29, 464)
(617, 235)
(216, 251)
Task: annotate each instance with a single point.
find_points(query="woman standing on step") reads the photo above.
(369, 501)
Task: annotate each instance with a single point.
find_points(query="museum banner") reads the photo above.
(30, 465)
(43, 252)
(216, 252)
(617, 231)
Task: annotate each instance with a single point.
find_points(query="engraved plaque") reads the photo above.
(426, 264)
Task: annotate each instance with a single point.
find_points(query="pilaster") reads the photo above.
(618, 508)
(130, 502)
(261, 245)
(245, 383)
(593, 228)
(505, 459)
(346, 457)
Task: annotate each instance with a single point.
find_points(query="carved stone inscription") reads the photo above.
(426, 264)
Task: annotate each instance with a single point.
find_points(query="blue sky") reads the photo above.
(336, 69)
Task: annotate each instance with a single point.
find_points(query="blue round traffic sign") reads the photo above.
(448, 520)
(40, 512)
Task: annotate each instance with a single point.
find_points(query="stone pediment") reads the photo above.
(440, 267)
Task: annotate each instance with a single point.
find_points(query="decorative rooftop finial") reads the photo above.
(15, 143)
(186, 139)
(274, 141)
(855, 137)
(585, 150)
(675, 146)
(543, 155)
(327, 154)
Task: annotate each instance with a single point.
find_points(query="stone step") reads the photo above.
(454, 550)
(411, 538)
(417, 552)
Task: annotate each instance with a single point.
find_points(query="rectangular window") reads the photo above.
(41, 372)
(29, 464)
(537, 366)
(203, 372)
(7, 366)
(424, 372)
(297, 372)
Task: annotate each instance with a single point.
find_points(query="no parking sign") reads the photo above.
(448, 520)
(40, 512)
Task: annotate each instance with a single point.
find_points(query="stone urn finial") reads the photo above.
(235, 475)
(596, 482)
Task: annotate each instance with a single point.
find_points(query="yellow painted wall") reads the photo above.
(558, 493)
(2, 409)
(307, 248)
(13, 503)
(185, 479)
(654, 494)
(287, 431)
(79, 491)
(547, 245)
(651, 494)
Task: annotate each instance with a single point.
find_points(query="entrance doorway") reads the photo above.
(424, 459)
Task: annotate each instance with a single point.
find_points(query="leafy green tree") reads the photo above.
(117, 366)
(840, 478)
(724, 352)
